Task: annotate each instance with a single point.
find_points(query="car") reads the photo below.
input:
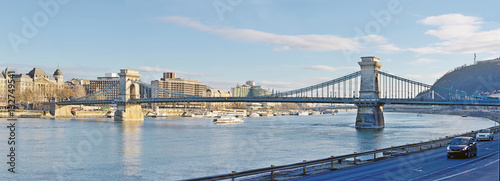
(462, 146)
(485, 134)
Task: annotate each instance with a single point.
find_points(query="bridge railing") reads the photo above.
(427, 87)
(458, 101)
(271, 170)
(324, 85)
(98, 93)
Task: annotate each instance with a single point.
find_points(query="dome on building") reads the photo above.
(58, 72)
(37, 72)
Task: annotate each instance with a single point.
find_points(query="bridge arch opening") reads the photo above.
(133, 93)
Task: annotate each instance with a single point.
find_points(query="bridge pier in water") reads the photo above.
(370, 113)
(128, 90)
(60, 110)
(129, 112)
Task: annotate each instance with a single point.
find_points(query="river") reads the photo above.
(182, 148)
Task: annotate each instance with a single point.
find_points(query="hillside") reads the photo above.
(481, 77)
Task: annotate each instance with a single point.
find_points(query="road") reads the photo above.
(428, 165)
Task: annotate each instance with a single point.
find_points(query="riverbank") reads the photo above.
(171, 113)
(46, 114)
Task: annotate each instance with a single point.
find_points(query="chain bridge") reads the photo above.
(369, 89)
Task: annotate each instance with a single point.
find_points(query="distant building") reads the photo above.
(217, 93)
(82, 82)
(183, 86)
(109, 76)
(104, 82)
(249, 90)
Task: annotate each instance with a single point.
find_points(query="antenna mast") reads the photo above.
(475, 60)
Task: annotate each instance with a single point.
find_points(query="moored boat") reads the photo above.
(227, 119)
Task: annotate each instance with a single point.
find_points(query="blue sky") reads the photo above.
(281, 44)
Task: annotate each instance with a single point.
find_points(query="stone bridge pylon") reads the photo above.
(370, 114)
(128, 90)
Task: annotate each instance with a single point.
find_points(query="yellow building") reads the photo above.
(36, 86)
(183, 86)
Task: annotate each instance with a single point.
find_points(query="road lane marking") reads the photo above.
(479, 158)
(491, 162)
(467, 171)
(464, 171)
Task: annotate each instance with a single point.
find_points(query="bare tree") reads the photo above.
(79, 91)
(237, 105)
(290, 106)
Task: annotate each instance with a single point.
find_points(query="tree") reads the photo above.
(290, 106)
(237, 105)
(79, 91)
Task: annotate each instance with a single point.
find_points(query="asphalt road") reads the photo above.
(428, 165)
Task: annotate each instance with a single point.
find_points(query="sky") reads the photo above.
(280, 44)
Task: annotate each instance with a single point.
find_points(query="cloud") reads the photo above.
(329, 69)
(421, 61)
(388, 48)
(223, 85)
(282, 42)
(459, 34)
(452, 25)
(180, 73)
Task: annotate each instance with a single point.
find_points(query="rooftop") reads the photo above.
(37, 72)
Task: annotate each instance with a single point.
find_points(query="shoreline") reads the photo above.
(494, 116)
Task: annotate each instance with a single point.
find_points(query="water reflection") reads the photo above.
(369, 139)
(131, 156)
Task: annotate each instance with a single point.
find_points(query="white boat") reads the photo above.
(227, 119)
(254, 114)
(315, 113)
(303, 113)
(210, 114)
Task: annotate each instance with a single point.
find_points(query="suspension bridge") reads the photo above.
(369, 89)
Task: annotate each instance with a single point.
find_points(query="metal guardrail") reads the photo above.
(332, 159)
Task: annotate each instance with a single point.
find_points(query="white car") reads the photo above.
(485, 134)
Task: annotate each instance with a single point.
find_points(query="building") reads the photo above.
(183, 86)
(4, 88)
(109, 76)
(81, 82)
(35, 86)
(217, 93)
(249, 89)
(102, 83)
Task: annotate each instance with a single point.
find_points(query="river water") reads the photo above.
(182, 148)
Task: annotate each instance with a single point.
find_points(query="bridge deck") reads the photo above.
(299, 100)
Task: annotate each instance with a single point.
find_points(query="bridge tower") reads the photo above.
(128, 90)
(370, 114)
